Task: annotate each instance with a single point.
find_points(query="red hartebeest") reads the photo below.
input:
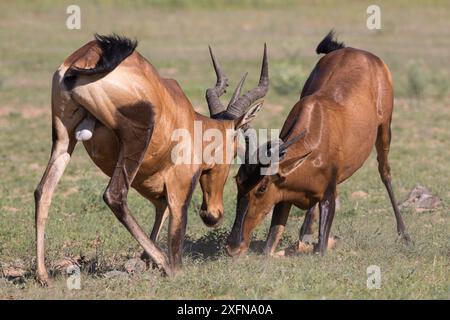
(345, 108)
(135, 112)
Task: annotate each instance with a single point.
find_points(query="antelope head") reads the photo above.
(258, 192)
(237, 115)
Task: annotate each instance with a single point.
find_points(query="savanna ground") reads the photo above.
(414, 42)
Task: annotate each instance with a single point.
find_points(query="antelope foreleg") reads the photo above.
(135, 128)
(179, 199)
(161, 214)
(306, 228)
(279, 218)
(327, 209)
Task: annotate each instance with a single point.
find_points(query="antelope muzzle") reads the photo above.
(211, 217)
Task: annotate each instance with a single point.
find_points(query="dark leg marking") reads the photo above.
(327, 209)
(306, 228)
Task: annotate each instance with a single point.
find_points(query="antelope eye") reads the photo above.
(262, 189)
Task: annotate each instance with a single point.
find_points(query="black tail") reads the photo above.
(329, 44)
(114, 48)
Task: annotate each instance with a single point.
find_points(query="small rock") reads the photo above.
(305, 247)
(135, 266)
(66, 262)
(427, 202)
(115, 274)
(299, 247)
(359, 195)
(13, 272)
(421, 199)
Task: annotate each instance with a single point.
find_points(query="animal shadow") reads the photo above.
(208, 247)
(212, 245)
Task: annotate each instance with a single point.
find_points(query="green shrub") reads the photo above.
(422, 82)
(417, 80)
(288, 77)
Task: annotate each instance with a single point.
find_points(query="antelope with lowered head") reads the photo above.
(344, 109)
(113, 99)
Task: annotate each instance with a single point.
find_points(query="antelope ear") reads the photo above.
(288, 166)
(248, 116)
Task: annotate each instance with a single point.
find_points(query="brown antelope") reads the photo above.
(344, 109)
(135, 111)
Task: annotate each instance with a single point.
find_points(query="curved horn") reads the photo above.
(237, 108)
(281, 147)
(213, 94)
(237, 91)
(285, 145)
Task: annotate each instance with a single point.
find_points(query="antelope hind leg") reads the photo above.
(382, 145)
(62, 147)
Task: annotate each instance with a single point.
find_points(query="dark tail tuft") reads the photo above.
(329, 44)
(114, 48)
